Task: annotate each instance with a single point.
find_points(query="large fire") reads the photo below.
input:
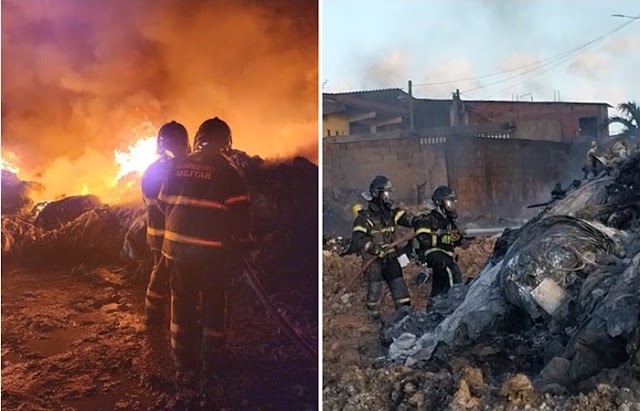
(88, 130)
(118, 181)
(137, 158)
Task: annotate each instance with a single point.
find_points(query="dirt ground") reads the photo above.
(493, 374)
(73, 339)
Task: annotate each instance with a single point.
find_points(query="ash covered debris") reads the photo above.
(549, 320)
(566, 283)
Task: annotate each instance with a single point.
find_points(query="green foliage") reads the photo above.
(630, 119)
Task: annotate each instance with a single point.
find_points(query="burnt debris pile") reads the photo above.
(81, 229)
(558, 301)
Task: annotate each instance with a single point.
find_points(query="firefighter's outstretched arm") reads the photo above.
(403, 217)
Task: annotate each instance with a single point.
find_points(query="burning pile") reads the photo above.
(83, 229)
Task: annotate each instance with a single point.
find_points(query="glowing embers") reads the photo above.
(9, 161)
(137, 158)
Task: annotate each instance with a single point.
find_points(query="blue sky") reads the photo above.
(369, 44)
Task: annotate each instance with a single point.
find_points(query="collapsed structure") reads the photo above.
(568, 282)
(548, 321)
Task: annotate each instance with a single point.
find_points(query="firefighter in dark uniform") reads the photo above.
(207, 235)
(591, 162)
(437, 236)
(172, 145)
(373, 230)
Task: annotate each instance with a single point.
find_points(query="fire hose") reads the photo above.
(366, 266)
(250, 276)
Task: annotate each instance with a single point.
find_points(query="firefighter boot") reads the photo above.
(374, 295)
(399, 293)
(212, 386)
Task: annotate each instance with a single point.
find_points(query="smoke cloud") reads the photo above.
(79, 77)
(387, 70)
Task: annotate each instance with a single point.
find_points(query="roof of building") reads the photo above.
(392, 100)
(389, 95)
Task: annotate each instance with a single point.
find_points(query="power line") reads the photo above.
(538, 65)
(556, 64)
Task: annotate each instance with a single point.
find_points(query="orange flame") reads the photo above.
(8, 163)
(119, 180)
(137, 158)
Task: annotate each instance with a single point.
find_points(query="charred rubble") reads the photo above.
(557, 304)
(83, 229)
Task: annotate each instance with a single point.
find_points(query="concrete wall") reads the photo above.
(348, 167)
(502, 177)
(490, 176)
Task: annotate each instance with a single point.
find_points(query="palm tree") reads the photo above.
(630, 119)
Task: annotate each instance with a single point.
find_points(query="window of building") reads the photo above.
(589, 126)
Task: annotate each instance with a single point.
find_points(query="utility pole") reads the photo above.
(410, 105)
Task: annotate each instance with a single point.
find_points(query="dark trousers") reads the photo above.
(158, 291)
(191, 281)
(389, 270)
(446, 272)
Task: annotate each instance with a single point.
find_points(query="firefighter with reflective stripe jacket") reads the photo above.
(437, 236)
(172, 145)
(374, 229)
(207, 235)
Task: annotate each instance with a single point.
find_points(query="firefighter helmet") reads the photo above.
(445, 198)
(213, 133)
(173, 140)
(380, 188)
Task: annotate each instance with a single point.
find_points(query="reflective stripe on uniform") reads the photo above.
(373, 304)
(210, 332)
(399, 215)
(423, 231)
(436, 249)
(450, 276)
(180, 238)
(236, 199)
(359, 228)
(197, 202)
(154, 294)
(150, 201)
(403, 300)
(157, 232)
(385, 230)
